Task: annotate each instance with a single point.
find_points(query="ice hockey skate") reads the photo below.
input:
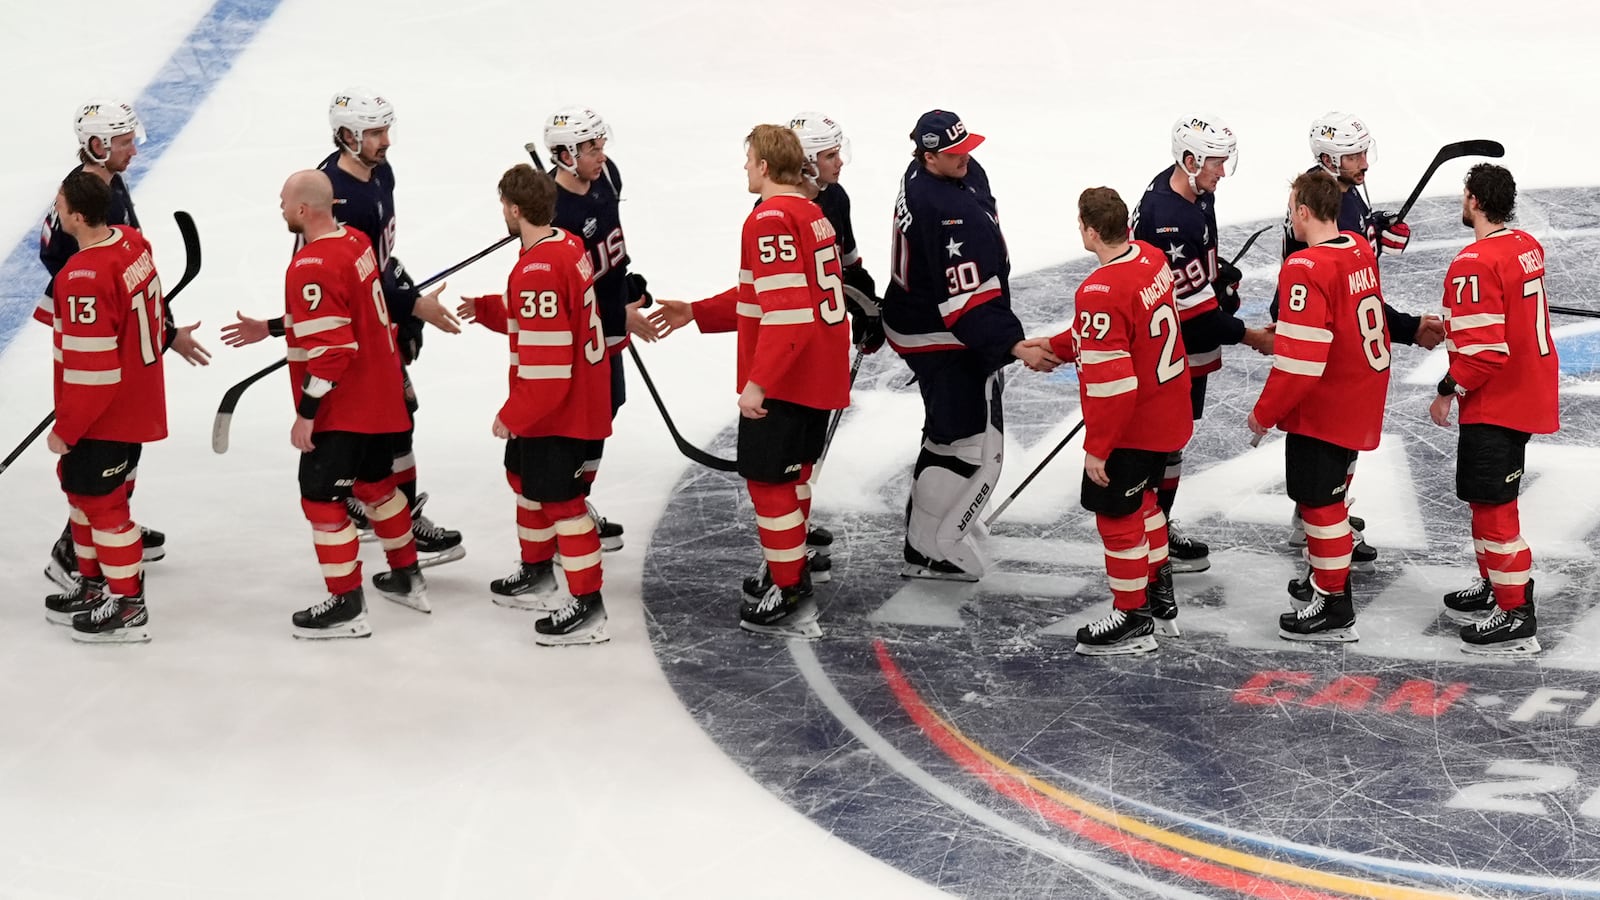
(781, 612)
(1119, 633)
(531, 587)
(756, 586)
(84, 596)
(819, 542)
(1504, 632)
(435, 546)
(117, 620)
(1470, 604)
(1325, 618)
(338, 616)
(1186, 554)
(919, 566)
(1163, 602)
(404, 586)
(610, 532)
(581, 621)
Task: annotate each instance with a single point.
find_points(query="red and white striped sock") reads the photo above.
(338, 544)
(782, 528)
(1127, 558)
(1329, 543)
(579, 542)
(1503, 555)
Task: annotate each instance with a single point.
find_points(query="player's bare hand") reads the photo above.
(1095, 468)
(245, 331)
(499, 429)
(1430, 333)
(1439, 410)
(1036, 354)
(56, 444)
(300, 434)
(639, 324)
(752, 401)
(1259, 340)
(1255, 426)
(192, 351)
(467, 309)
(430, 310)
(670, 315)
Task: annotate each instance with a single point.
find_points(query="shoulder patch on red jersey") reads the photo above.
(1301, 261)
(80, 273)
(768, 213)
(308, 261)
(1097, 286)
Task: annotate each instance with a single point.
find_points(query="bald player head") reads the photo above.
(307, 203)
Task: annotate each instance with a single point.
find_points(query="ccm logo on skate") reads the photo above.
(1350, 693)
(114, 470)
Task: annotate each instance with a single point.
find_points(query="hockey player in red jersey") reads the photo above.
(1327, 387)
(110, 398)
(560, 403)
(1133, 383)
(793, 369)
(1504, 370)
(344, 371)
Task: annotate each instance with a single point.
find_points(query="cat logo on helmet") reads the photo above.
(558, 120)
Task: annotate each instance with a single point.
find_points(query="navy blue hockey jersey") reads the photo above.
(835, 204)
(950, 274)
(1187, 233)
(56, 246)
(596, 217)
(367, 206)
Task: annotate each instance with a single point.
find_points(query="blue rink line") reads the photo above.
(165, 106)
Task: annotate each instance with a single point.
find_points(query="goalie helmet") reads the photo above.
(1205, 138)
(358, 109)
(1337, 135)
(818, 134)
(105, 119)
(570, 127)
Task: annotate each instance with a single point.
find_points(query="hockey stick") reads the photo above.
(191, 268)
(833, 423)
(230, 400)
(1035, 473)
(694, 453)
(1491, 149)
(1249, 242)
(1570, 311)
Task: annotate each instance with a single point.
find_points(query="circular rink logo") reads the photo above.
(950, 730)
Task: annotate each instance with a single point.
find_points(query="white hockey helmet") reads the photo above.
(1337, 135)
(818, 134)
(568, 128)
(1206, 138)
(358, 109)
(105, 119)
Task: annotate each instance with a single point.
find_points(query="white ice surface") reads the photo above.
(448, 756)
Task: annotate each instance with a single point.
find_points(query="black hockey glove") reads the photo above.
(637, 290)
(866, 316)
(1227, 286)
(400, 295)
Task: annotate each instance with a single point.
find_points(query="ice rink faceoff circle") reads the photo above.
(949, 729)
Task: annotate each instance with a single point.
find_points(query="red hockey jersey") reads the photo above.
(1497, 322)
(337, 326)
(560, 373)
(1330, 367)
(1133, 372)
(109, 334)
(793, 337)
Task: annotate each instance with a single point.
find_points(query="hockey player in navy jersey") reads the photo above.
(109, 132)
(1178, 215)
(588, 203)
(363, 189)
(947, 312)
(1340, 145)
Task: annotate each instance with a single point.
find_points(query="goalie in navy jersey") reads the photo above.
(1177, 215)
(108, 132)
(363, 190)
(588, 200)
(947, 312)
